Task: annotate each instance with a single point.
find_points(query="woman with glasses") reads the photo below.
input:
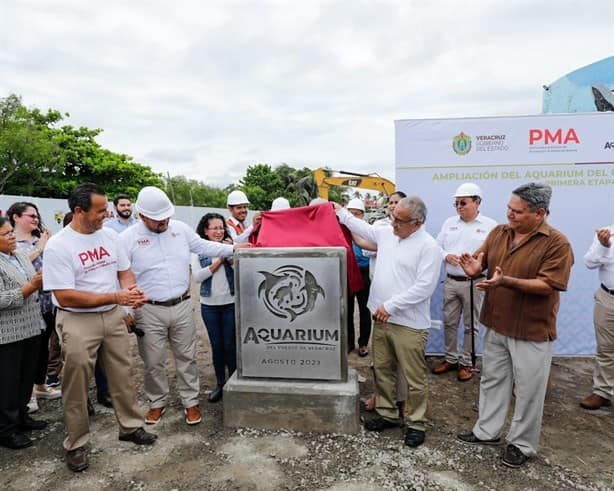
(216, 276)
(31, 238)
(20, 322)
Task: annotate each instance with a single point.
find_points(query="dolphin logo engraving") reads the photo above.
(289, 291)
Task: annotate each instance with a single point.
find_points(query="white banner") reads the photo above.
(574, 153)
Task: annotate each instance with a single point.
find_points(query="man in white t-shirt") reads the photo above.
(159, 250)
(90, 276)
(408, 265)
(461, 233)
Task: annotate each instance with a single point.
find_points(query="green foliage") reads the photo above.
(190, 192)
(38, 158)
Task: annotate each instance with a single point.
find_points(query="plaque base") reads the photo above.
(325, 407)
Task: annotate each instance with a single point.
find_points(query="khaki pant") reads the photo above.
(457, 300)
(176, 326)
(82, 336)
(603, 375)
(507, 361)
(399, 346)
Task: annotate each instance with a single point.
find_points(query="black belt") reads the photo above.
(605, 288)
(171, 302)
(464, 278)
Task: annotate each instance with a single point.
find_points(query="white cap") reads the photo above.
(468, 189)
(236, 197)
(154, 203)
(280, 204)
(317, 201)
(356, 204)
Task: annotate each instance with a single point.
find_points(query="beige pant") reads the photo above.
(507, 361)
(176, 326)
(456, 300)
(82, 336)
(399, 346)
(603, 375)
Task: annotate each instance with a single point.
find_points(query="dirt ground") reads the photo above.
(577, 447)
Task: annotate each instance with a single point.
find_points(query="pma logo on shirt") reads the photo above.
(289, 291)
(143, 242)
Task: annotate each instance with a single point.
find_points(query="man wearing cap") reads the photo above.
(528, 264)
(461, 233)
(601, 257)
(159, 249)
(83, 268)
(357, 208)
(238, 206)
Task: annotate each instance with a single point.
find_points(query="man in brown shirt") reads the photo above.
(528, 263)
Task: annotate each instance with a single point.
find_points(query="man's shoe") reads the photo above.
(380, 424)
(32, 424)
(363, 351)
(216, 394)
(474, 440)
(595, 401)
(513, 457)
(464, 374)
(53, 381)
(76, 460)
(154, 415)
(15, 441)
(104, 398)
(414, 438)
(90, 408)
(444, 367)
(192, 415)
(140, 437)
(46, 392)
(33, 405)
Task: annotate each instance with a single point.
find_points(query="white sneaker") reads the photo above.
(46, 392)
(32, 405)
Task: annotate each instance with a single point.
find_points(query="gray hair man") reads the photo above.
(528, 264)
(408, 265)
(601, 258)
(463, 232)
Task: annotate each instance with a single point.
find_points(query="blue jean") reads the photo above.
(220, 323)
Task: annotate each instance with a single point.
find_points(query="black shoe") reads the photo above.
(76, 460)
(414, 438)
(513, 457)
(140, 437)
(216, 394)
(52, 381)
(15, 440)
(90, 408)
(104, 398)
(380, 424)
(474, 440)
(32, 424)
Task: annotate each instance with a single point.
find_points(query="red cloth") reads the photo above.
(304, 227)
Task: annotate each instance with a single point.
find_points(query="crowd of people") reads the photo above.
(70, 300)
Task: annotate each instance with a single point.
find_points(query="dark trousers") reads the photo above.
(18, 369)
(42, 358)
(220, 323)
(365, 316)
(102, 385)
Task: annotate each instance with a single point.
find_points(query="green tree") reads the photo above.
(190, 192)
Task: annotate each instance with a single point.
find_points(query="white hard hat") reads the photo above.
(280, 204)
(468, 189)
(236, 197)
(356, 204)
(317, 201)
(154, 203)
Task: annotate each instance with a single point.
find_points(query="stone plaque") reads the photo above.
(291, 313)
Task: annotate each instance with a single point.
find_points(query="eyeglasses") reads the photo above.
(33, 217)
(407, 220)
(216, 228)
(460, 202)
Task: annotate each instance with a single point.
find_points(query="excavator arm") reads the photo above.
(324, 178)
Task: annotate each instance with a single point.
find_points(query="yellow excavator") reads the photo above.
(324, 178)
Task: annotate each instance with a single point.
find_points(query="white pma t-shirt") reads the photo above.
(85, 262)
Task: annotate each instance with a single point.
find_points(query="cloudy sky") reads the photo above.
(206, 88)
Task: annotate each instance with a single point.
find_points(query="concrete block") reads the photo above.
(325, 407)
